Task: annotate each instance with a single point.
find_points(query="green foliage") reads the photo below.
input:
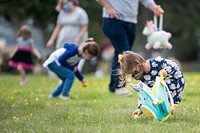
(92, 109)
(181, 18)
(43, 12)
(5, 67)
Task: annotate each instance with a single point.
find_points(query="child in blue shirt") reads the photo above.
(135, 65)
(63, 62)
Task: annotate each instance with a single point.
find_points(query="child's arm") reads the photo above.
(80, 76)
(70, 51)
(36, 52)
(13, 52)
(169, 68)
(138, 111)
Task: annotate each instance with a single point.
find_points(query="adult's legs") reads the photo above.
(118, 33)
(131, 33)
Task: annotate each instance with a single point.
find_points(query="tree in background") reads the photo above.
(181, 18)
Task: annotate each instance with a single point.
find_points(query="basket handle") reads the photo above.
(169, 94)
(161, 20)
(162, 76)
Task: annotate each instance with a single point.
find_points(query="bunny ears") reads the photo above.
(120, 56)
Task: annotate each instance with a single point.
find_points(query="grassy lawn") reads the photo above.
(28, 109)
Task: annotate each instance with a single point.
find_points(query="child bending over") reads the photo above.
(134, 65)
(63, 62)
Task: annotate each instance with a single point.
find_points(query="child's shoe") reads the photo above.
(123, 92)
(64, 97)
(50, 96)
(23, 82)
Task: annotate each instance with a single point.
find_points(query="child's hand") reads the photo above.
(163, 72)
(84, 83)
(136, 113)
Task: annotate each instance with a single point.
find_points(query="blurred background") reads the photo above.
(181, 18)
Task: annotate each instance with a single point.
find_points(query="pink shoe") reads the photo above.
(23, 82)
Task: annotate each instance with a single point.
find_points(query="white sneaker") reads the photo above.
(123, 92)
(50, 96)
(64, 97)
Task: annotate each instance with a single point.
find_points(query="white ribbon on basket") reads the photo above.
(160, 19)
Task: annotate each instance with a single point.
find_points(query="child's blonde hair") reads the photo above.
(131, 63)
(91, 47)
(24, 31)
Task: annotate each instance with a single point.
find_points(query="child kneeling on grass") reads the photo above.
(63, 62)
(135, 65)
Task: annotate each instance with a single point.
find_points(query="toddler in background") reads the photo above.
(21, 57)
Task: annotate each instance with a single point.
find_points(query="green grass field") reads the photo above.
(28, 109)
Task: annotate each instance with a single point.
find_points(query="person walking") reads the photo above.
(119, 25)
